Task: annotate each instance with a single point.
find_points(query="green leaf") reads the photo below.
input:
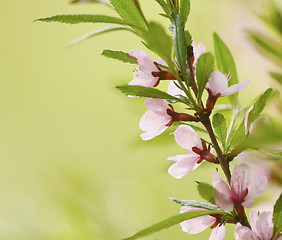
(171, 222)
(192, 203)
(277, 77)
(179, 43)
(96, 33)
(164, 6)
(147, 92)
(226, 64)
(159, 41)
(184, 10)
(75, 19)
(205, 66)
(129, 11)
(220, 127)
(118, 55)
(188, 38)
(239, 134)
(277, 215)
(259, 106)
(207, 192)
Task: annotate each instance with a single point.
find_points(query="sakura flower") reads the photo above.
(159, 117)
(148, 74)
(199, 224)
(198, 51)
(244, 188)
(217, 86)
(262, 227)
(188, 139)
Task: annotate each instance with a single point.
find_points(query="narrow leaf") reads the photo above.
(277, 77)
(147, 92)
(188, 38)
(128, 10)
(184, 10)
(75, 19)
(179, 43)
(225, 63)
(96, 33)
(277, 215)
(192, 203)
(118, 55)
(164, 6)
(205, 66)
(207, 192)
(171, 222)
(220, 127)
(159, 41)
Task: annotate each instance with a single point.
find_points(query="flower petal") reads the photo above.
(151, 134)
(142, 78)
(158, 106)
(218, 233)
(187, 138)
(240, 180)
(246, 121)
(174, 90)
(144, 61)
(262, 224)
(198, 224)
(234, 88)
(217, 83)
(183, 165)
(244, 233)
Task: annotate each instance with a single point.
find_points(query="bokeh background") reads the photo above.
(72, 162)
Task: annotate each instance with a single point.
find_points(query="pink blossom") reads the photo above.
(156, 120)
(199, 224)
(174, 90)
(188, 139)
(217, 85)
(262, 227)
(198, 51)
(244, 188)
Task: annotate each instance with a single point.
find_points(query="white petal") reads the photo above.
(151, 134)
(218, 233)
(187, 138)
(141, 78)
(217, 83)
(183, 165)
(158, 106)
(162, 62)
(240, 179)
(198, 224)
(244, 233)
(174, 90)
(152, 121)
(262, 224)
(144, 61)
(235, 88)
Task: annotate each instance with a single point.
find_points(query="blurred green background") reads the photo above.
(72, 162)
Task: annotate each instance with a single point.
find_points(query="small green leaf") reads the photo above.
(277, 215)
(147, 92)
(171, 222)
(220, 127)
(259, 106)
(188, 38)
(207, 192)
(96, 33)
(192, 203)
(226, 64)
(75, 19)
(179, 43)
(205, 66)
(164, 6)
(277, 77)
(118, 55)
(159, 41)
(184, 10)
(129, 11)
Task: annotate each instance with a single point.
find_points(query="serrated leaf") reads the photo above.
(118, 55)
(277, 215)
(164, 6)
(159, 41)
(147, 92)
(129, 11)
(192, 203)
(75, 19)
(226, 64)
(179, 43)
(259, 105)
(184, 10)
(207, 192)
(205, 66)
(220, 127)
(171, 222)
(188, 38)
(96, 33)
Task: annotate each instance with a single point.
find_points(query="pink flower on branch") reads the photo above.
(159, 117)
(198, 50)
(244, 188)
(217, 86)
(262, 227)
(188, 139)
(199, 224)
(148, 74)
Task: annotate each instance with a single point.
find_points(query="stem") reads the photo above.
(223, 163)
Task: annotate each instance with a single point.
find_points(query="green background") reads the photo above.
(72, 162)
